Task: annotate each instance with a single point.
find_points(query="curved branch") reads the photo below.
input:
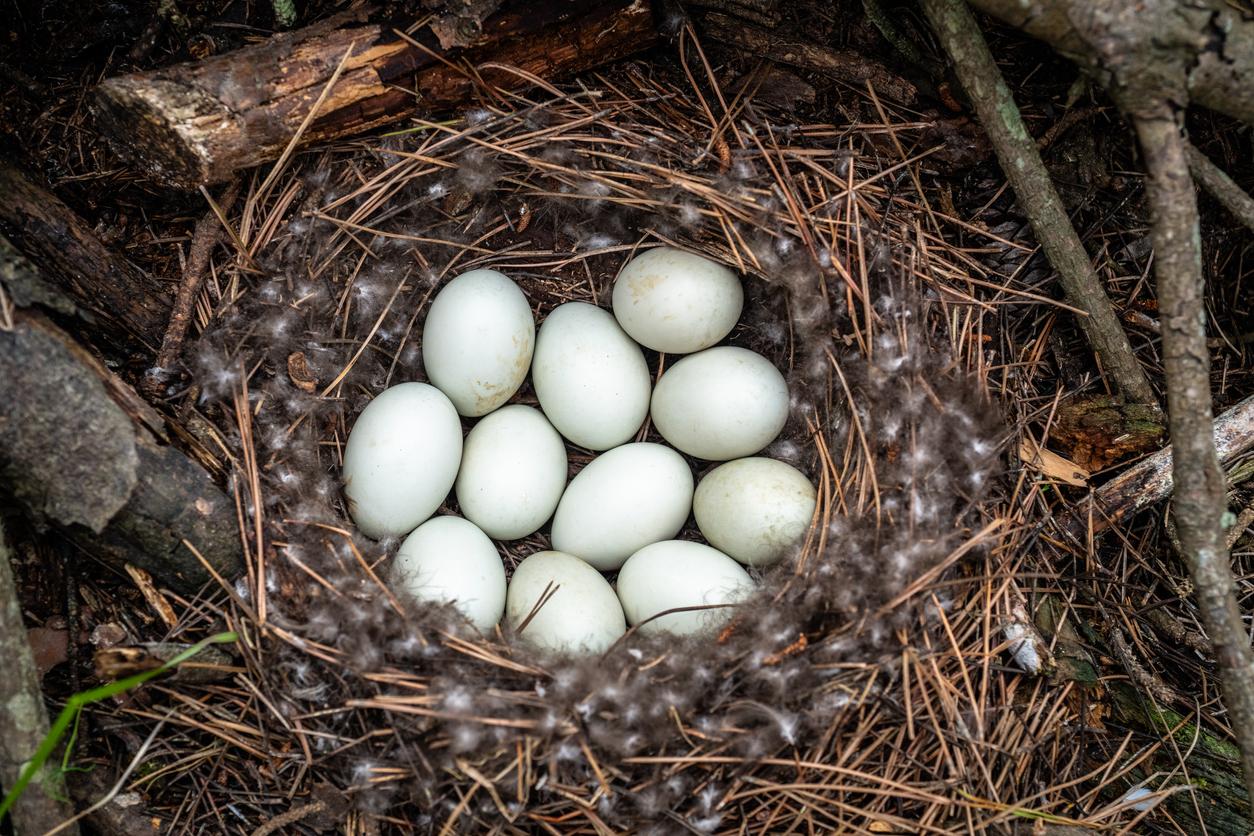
(1199, 496)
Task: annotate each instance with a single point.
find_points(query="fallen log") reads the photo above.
(1150, 480)
(79, 450)
(200, 122)
(122, 301)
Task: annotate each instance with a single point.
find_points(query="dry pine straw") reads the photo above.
(866, 688)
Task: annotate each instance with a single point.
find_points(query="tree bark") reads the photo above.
(1021, 163)
(123, 302)
(24, 720)
(1129, 45)
(200, 122)
(80, 450)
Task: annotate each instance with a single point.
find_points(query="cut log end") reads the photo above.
(200, 122)
(147, 121)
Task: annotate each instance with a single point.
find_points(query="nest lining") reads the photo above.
(833, 695)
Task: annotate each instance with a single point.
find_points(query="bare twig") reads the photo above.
(1021, 162)
(205, 237)
(1244, 520)
(24, 722)
(1200, 491)
(290, 817)
(1213, 178)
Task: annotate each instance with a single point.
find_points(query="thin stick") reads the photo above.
(1199, 496)
(204, 238)
(1021, 163)
(1221, 187)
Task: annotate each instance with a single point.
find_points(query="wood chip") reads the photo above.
(155, 599)
(1051, 464)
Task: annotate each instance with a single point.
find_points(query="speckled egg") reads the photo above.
(401, 459)
(722, 403)
(477, 341)
(678, 302)
(754, 509)
(676, 574)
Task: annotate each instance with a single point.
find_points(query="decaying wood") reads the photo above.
(847, 65)
(80, 450)
(122, 301)
(200, 122)
(24, 718)
(1150, 480)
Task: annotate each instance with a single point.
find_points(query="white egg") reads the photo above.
(448, 559)
(563, 605)
(513, 472)
(754, 509)
(477, 341)
(673, 301)
(590, 378)
(622, 501)
(401, 459)
(674, 574)
(721, 403)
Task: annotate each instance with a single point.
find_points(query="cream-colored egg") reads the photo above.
(675, 574)
(622, 501)
(722, 403)
(513, 472)
(477, 341)
(450, 560)
(754, 509)
(401, 459)
(674, 301)
(590, 378)
(563, 605)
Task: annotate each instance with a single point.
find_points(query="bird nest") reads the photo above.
(860, 689)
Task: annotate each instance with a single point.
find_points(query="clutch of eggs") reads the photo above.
(624, 509)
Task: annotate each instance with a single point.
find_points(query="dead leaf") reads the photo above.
(1051, 464)
(298, 371)
(108, 634)
(210, 664)
(48, 647)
